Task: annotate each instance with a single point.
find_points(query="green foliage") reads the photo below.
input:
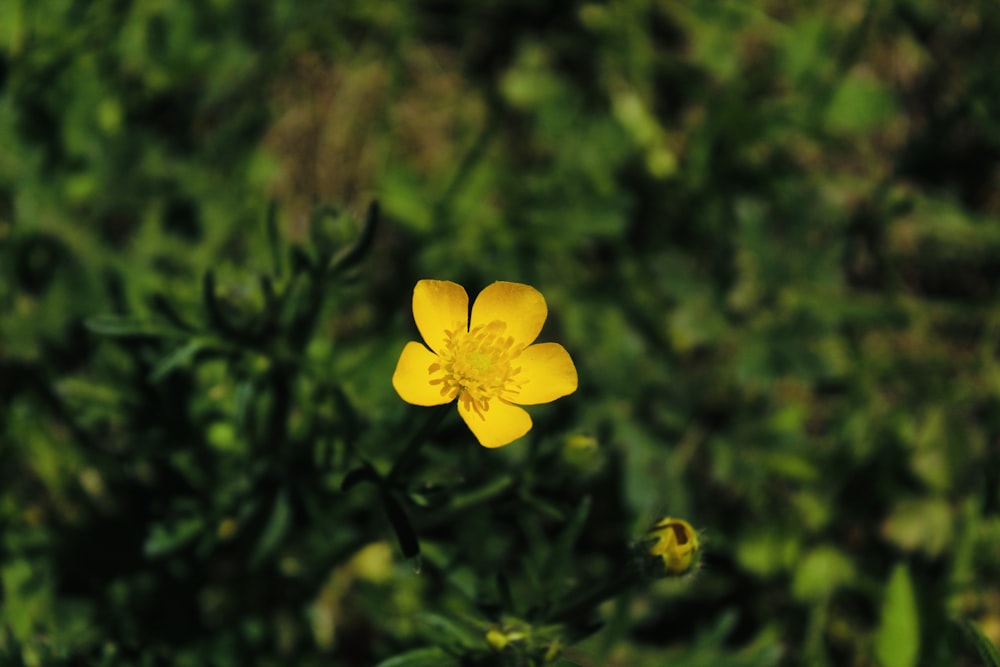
(898, 641)
(988, 653)
(766, 232)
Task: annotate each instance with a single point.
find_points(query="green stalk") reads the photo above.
(412, 449)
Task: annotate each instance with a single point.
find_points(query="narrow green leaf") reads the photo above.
(447, 632)
(275, 530)
(164, 539)
(124, 325)
(462, 498)
(571, 533)
(161, 305)
(987, 651)
(354, 253)
(897, 643)
(319, 236)
(178, 357)
(558, 558)
(543, 506)
(421, 657)
(242, 402)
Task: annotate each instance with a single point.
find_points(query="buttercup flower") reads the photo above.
(487, 361)
(674, 545)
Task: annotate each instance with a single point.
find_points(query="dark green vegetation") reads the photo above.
(768, 235)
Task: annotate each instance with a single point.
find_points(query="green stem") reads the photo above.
(412, 449)
(586, 597)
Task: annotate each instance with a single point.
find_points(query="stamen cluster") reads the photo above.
(478, 365)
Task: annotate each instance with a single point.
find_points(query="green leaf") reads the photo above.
(354, 253)
(447, 632)
(242, 401)
(921, 524)
(575, 525)
(275, 530)
(25, 599)
(859, 104)
(161, 305)
(821, 572)
(214, 313)
(561, 555)
(12, 26)
(178, 357)
(987, 651)
(164, 540)
(421, 657)
(768, 551)
(123, 325)
(897, 642)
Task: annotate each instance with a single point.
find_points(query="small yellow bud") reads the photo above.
(580, 441)
(501, 637)
(674, 543)
(583, 453)
(497, 639)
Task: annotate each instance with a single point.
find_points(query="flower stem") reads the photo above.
(412, 449)
(586, 597)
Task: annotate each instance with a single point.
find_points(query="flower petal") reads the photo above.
(413, 377)
(439, 306)
(547, 373)
(500, 425)
(521, 307)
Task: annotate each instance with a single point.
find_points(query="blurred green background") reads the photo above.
(767, 233)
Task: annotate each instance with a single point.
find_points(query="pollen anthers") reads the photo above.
(477, 365)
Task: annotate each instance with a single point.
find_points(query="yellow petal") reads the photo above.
(521, 307)
(500, 425)
(439, 306)
(413, 377)
(547, 373)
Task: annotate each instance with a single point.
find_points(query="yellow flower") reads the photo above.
(486, 361)
(675, 544)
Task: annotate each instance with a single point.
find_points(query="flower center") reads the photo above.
(478, 365)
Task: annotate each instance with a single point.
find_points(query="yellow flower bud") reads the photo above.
(583, 453)
(674, 545)
(497, 639)
(500, 638)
